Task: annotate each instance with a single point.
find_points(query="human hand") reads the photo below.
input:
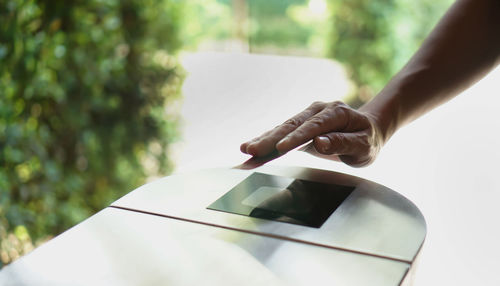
(335, 128)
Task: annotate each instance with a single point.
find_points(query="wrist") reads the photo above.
(384, 117)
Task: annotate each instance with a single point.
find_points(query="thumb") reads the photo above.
(353, 149)
(339, 143)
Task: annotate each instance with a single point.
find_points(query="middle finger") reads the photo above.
(266, 143)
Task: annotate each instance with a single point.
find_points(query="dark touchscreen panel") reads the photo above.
(283, 199)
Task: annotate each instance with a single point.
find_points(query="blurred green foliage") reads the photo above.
(271, 24)
(286, 27)
(374, 39)
(205, 20)
(83, 90)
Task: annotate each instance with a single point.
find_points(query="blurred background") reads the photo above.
(90, 91)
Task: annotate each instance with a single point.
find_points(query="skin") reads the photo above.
(462, 48)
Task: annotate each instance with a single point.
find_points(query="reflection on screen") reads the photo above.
(283, 199)
(261, 195)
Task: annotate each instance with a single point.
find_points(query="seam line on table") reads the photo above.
(267, 235)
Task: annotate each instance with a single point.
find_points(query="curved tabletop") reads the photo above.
(372, 220)
(163, 234)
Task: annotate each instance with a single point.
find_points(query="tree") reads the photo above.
(83, 89)
(373, 39)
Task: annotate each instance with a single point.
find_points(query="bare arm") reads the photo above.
(461, 49)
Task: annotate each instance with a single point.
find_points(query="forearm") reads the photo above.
(462, 48)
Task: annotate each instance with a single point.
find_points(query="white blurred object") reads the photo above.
(230, 98)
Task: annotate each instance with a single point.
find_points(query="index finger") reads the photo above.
(266, 143)
(333, 118)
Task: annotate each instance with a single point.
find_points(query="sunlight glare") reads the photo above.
(317, 7)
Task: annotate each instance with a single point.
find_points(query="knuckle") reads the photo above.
(292, 122)
(344, 108)
(338, 103)
(316, 121)
(339, 108)
(344, 116)
(340, 137)
(317, 105)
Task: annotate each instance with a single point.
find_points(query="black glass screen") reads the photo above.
(283, 199)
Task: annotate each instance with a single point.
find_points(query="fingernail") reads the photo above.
(324, 143)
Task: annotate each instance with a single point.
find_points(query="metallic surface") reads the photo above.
(284, 199)
(163, 234)
(373, 220)
(119, 247)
